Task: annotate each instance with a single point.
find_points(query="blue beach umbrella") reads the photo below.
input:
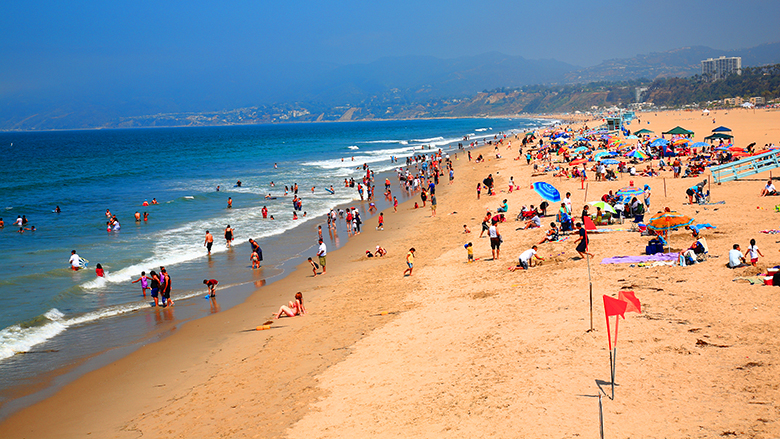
(610, 162)
(547, 191)
(699, 145)
(581, 149)
(660, 142)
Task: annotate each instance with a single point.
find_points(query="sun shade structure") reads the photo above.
(717, 136)
(642, 132)
(679, 130)
(721, 129)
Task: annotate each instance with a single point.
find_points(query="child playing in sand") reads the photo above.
(754, 252)
(293, 309)
(470, 250)
(314, 266)
(466, 229)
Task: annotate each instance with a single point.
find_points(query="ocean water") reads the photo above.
(53, 317)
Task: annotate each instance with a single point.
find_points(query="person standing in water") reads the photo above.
(228, 235)
(230, 203)
(209, 241)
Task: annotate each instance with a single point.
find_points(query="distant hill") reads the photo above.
(681, 62)
(400, 87)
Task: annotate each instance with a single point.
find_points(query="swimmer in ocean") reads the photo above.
(230, 203)
(137, 216)
(154, 200)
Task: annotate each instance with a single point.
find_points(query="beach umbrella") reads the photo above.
(581, 149)
(736, 149)
(581, 139)
(721, 129)
(629, 192)
(610, 162)
(547, 191)
(604, 206)
(578, 161)
(666, 221)
(679, 142)
(659, 142)
(699, 145)
(632, 137)
(637, 154)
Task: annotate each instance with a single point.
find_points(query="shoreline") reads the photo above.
(197, 329)
(468, 349)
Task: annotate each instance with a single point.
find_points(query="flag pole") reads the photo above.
(613, 356)
(601, 418)
(590, 288)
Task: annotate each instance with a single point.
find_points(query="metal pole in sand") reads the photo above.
(613, 362)
(590, 287)
(601, 418)
(664, 187)
(586, 192)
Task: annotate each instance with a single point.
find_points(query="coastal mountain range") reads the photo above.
(390, 87)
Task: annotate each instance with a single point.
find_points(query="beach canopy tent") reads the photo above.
(680, 131)
(717, 136)
(642, 132)
(721, 129)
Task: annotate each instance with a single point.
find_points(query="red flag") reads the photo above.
(614, 307)
(632, 302)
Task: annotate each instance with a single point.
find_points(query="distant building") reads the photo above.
(758, 100)
(733, 102)
(639, 91)
(719, 68)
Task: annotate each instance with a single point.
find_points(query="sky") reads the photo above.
(238, 50)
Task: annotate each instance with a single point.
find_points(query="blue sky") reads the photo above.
(115, 50)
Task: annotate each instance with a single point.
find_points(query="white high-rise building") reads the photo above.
(719, 68)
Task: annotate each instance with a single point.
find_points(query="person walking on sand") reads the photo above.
(754, 252)
(209, 241)
(211, 284)
(495, 239)
(322, 252)
(582, 247)
(409, 261)
(228, 235)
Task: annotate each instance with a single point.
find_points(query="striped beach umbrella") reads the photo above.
(629, 192)
(666, 221)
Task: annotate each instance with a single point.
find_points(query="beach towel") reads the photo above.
(771, 231)
(700, 227)
(641, 258)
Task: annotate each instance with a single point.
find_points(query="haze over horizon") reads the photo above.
(206, 56)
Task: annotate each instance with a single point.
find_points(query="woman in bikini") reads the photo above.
(293, 309)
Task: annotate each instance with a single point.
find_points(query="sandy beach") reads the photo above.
(473, 350)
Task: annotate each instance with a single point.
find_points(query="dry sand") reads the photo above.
(472, 350)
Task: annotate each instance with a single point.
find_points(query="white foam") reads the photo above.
(481, 129)
(432, 139)
(353, 147)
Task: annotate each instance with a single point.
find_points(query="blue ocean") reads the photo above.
(54, 318)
